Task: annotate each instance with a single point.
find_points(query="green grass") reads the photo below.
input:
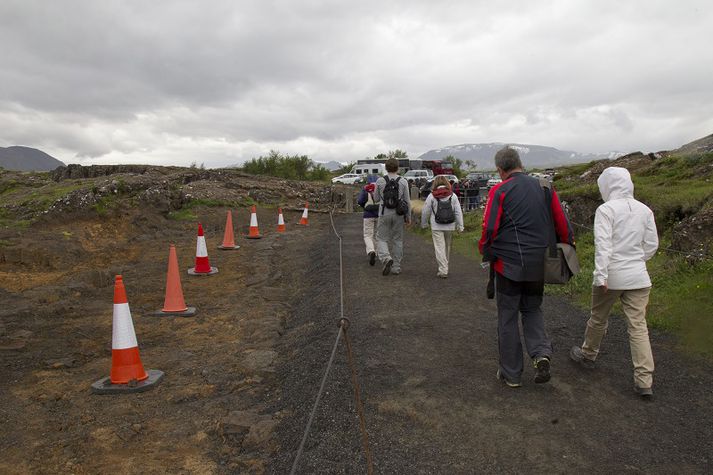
(183, 214)
(188, 211)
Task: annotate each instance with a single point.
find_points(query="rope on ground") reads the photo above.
(343, 325)
(316, 403)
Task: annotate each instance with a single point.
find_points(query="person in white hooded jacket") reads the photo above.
(442, 233)
(625, 238)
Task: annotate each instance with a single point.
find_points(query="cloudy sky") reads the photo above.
(222, 81)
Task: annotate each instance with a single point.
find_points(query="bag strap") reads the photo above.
(552, 236)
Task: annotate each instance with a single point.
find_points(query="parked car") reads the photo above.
(494, 181)
(452, 178)
(413, 175)
(347, 179)
(480, 178)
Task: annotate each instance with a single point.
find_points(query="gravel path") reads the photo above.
(427, 354)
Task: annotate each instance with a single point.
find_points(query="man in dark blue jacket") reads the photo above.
(516, 228)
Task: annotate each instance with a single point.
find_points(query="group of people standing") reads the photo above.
(517, 224)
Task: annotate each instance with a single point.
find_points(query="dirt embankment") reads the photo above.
(215, 412)
(78, 192)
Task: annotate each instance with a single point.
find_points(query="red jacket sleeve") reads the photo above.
(491, 221)
(563, 227)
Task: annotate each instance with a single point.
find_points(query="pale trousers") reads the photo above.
(442, 247)
(370, 234)
(390, 234)
(634, 305)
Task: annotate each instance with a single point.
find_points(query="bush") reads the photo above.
(295, 167)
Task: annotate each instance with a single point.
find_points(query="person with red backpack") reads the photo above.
(443, 212)
(371, 216)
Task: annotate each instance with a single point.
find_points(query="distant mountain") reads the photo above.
(27, 159)
(331, 165)
(533, 156)
(703, 145)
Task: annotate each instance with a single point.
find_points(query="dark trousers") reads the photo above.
(516, 298)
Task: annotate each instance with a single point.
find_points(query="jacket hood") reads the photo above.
(615, 183)
(441, 192)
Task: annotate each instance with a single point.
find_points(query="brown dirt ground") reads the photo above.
(241, 377)
(209, 415)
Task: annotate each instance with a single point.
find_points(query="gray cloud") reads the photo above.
(220, 82)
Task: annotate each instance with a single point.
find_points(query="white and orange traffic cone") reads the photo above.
(280, 221)
(228, 236)
(127, 372)
(174, 304)
(304, 221)
(202, 263)
(254, 232)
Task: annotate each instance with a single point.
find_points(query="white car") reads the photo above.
(413, 175)
(494, 181)
(452, 178)
(347, 178)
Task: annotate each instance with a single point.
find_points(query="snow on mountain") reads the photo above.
(533, 156)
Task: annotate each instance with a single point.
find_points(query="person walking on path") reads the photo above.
(371, 215)
(393, 195)
(516, 226)
(625, 238)
(442, 211)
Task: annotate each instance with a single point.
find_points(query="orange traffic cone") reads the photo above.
(280, 221)
(173, 304)
(254, 232)
(304, 221)
(228, 238)
(127, 371)
(202, 266)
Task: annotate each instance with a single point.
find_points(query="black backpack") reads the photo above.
(391, 193)
(444, 214)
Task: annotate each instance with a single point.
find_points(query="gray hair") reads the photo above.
(507, 159)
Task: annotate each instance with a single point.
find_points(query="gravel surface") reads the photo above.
(426, 352)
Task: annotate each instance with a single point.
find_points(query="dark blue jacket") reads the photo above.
(516, 227)
(361, 201)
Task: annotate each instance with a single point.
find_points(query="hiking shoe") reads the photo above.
(576, 355)
(504, 380)
(442, 276)
(644, 393)
(395, 271)
(542, 367)
(387, 267)
(372, 258)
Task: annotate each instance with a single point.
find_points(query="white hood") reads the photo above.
(615, 183)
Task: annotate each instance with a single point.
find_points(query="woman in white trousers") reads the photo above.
(443, 213)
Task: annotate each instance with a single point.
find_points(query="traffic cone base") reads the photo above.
(105, 386)
(228, 248)
(192, 271)
(189, 312)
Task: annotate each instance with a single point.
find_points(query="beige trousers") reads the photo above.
(442, 246)
(634, 305)
(370, 234)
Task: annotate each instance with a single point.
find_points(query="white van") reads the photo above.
(370, 169)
